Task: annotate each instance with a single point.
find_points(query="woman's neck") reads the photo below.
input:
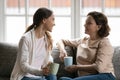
(39, 32)
(95, 37)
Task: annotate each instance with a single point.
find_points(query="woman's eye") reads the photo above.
(88, 23)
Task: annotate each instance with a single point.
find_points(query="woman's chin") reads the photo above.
(85, 32)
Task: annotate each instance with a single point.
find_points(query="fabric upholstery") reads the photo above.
(116, 62)
(7, 58)
(8, 54)
(61, 71)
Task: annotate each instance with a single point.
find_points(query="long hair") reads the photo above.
(39, 15)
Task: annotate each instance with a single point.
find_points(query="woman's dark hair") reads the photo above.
(101, 20)
(40, 14)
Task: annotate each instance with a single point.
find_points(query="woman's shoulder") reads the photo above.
(28, 34)
(85, 39)
(105, 41)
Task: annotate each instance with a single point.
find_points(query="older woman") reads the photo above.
(94, 53)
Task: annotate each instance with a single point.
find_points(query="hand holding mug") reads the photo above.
(46, 69)
(62, 55)
(71, 68)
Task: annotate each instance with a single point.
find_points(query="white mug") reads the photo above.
(68, 61)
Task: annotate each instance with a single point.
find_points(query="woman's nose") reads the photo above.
(84, 25)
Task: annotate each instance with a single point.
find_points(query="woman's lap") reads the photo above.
(101, 76)
(32, 78)
(49, 77)
(65, 78)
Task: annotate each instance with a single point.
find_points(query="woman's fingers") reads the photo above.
(46, 70)
(62, 55)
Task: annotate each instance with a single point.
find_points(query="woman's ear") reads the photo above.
(99, 26)
(44, 21)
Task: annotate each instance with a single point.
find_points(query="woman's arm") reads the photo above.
(104, 56)
(61, 47)
(62, 43)
(24, 58)
(88, 68)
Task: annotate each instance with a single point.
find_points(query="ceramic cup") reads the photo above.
(68, 61)
(54, 68)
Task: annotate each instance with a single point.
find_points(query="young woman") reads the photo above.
(34, 49)
(94, 53)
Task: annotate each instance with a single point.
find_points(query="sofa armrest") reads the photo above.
(116, 61)
(8, 53)
(62, 71)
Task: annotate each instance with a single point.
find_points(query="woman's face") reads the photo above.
(49, 23)
(91, 27)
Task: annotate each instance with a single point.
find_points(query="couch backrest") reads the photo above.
(116, 61)
(8, 54)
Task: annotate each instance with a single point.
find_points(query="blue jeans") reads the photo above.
(100, 76)
(49, 77)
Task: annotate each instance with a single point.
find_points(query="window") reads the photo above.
(19, 15)
(111, 8)
(15, 20)
(70, 15)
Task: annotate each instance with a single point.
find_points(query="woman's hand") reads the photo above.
(72, 68)
(61, 47)
(46, 69)
(62, 55)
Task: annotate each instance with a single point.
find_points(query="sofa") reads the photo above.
(8, 53)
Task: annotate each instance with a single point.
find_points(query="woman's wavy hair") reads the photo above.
(101, 20)
(39, 15)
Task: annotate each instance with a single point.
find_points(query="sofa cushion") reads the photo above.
(8, 54)
(116, 62)
(4, 78)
